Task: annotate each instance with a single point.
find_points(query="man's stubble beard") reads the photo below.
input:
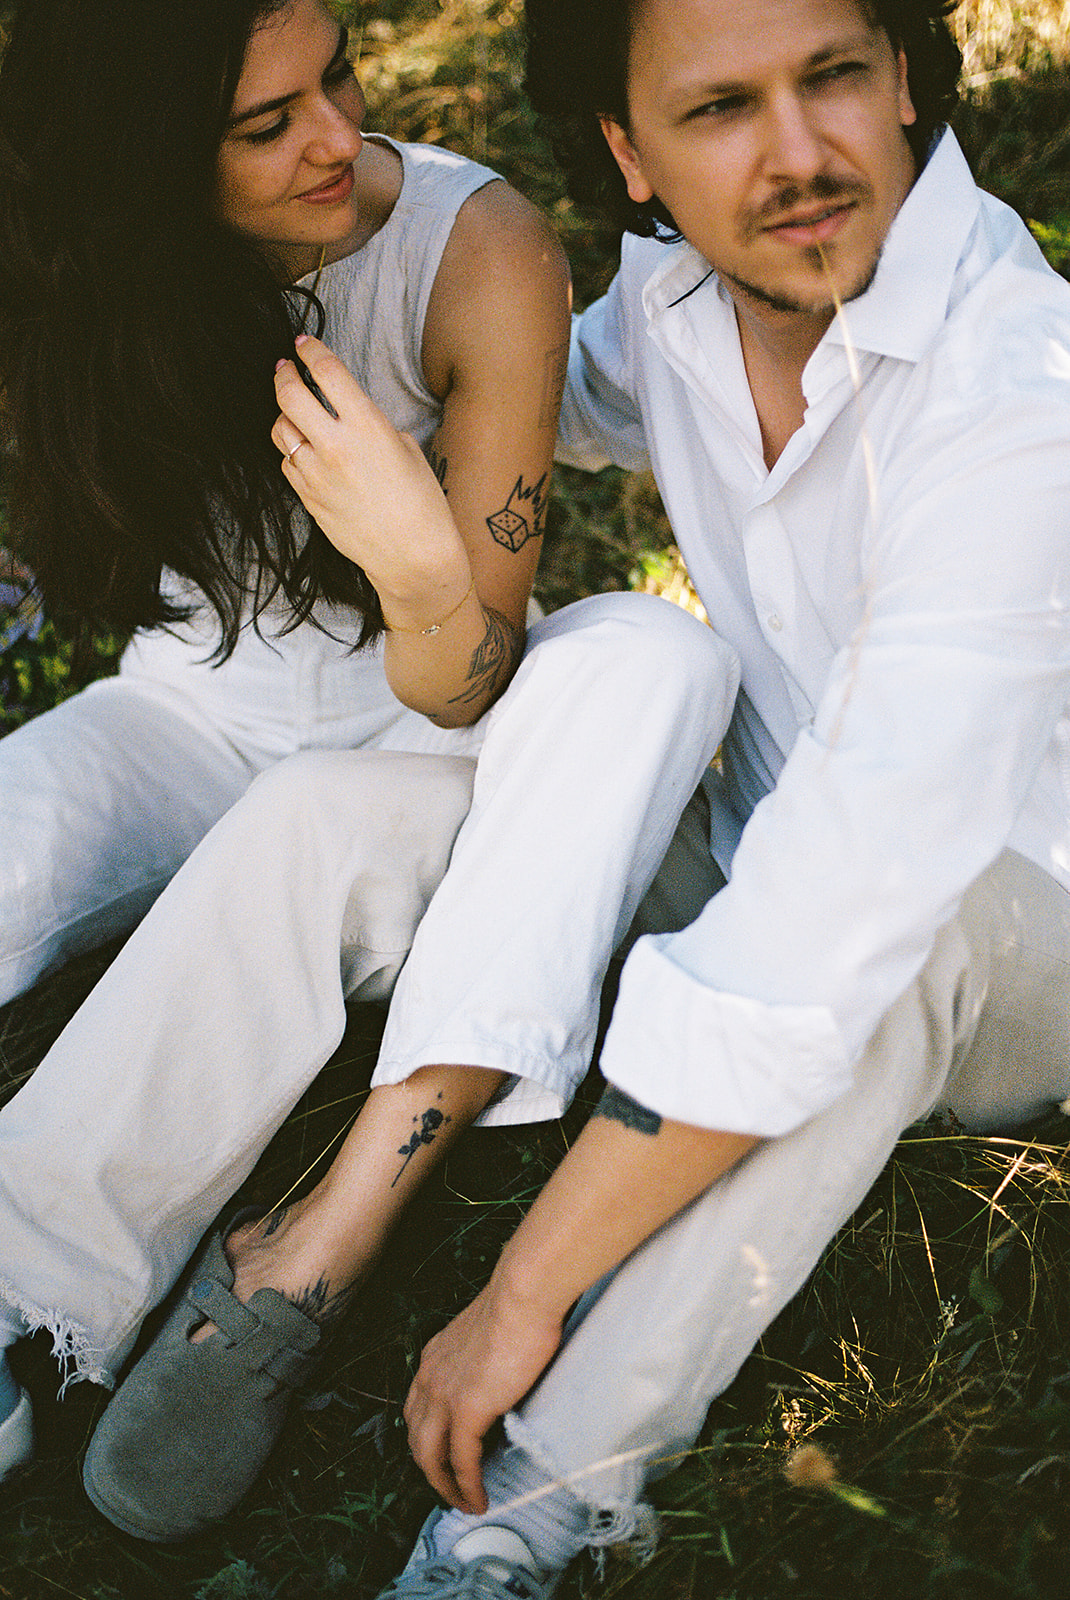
(793, 305)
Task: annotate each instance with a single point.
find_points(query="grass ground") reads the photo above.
(905, 1427)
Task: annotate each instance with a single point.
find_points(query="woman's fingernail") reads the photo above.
(279, 364)
(302, 338)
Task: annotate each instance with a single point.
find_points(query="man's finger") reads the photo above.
(429, 1443)
(466, 1460)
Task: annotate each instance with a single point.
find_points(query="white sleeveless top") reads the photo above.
(284, 692)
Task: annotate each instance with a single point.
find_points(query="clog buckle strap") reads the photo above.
(283, 1350)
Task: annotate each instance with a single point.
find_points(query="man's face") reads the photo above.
(774, 133)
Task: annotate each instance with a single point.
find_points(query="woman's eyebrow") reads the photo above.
(283, 100)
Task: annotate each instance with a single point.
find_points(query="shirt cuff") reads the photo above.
(718, 1060)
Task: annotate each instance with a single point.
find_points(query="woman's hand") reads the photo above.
(370, 489)
(450, 547)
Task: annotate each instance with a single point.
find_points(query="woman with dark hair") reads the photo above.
(182, 189)
(146, 237)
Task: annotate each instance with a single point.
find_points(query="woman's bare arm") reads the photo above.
(450, 543)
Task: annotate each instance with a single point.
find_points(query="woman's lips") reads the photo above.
(329, 194)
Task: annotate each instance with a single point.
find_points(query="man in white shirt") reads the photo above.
(851, 375)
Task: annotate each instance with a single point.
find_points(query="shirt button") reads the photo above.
(775, 623)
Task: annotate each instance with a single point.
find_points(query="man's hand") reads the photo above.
(472, 1373)
(626, 1175)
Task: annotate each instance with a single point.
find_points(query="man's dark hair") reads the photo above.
(577, 72)
(138, 331)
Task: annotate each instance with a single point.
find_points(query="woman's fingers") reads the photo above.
(286, 437)
(313, 409)
(368, 486)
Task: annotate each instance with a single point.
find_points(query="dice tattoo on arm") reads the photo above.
(523, 515)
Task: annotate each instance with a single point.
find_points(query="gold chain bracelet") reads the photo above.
(435, 626)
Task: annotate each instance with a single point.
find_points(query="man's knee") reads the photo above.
(641, 645)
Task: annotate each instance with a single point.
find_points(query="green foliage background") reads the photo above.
(926, 1361)
(450, 72)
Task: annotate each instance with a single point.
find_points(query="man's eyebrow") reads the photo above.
(723, 91)
(284, 100)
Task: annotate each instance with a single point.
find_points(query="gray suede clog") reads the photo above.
(190, 1427)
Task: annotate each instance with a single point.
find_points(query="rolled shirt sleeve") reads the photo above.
(934, 720)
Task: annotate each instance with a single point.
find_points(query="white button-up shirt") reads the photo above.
(898, 591)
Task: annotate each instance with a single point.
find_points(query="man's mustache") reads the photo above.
(822, 190)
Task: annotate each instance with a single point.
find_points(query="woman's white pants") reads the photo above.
(159, 1096)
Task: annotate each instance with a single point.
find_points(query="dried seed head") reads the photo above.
(810, 1467)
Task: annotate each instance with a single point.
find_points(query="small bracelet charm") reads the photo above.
(436, 626)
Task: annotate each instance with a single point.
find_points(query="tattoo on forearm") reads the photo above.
(495, 655)
(439, 466)
(321, 1304)
(430, 1122)
(620, 1107)
(555, 371)
(523, 516)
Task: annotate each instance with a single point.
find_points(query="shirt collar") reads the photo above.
(904, 307)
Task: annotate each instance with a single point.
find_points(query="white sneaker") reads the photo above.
(16, 1437)
(489, 1563)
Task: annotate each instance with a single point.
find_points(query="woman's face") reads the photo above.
(286, 159)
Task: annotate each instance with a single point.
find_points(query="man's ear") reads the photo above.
(907, 114)
(627, 158)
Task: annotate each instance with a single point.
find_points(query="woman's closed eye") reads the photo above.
(265, 135)
(337, 75)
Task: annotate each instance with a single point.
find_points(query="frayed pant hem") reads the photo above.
(80, 1361)
(612, 1522)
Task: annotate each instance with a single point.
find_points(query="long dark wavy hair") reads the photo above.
(138, 332)
(577, 72)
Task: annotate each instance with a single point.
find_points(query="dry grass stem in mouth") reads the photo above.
(871, 483)
(856, 381)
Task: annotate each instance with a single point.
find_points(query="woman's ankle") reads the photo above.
(294, 1252)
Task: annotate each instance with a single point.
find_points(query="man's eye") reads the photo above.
(840, 71)
(726, 106)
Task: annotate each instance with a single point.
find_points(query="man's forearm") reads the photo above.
(625, 1176)
(628, 1173)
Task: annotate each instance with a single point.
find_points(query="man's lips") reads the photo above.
(807, 217)
(814, 225)
(329, 194)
